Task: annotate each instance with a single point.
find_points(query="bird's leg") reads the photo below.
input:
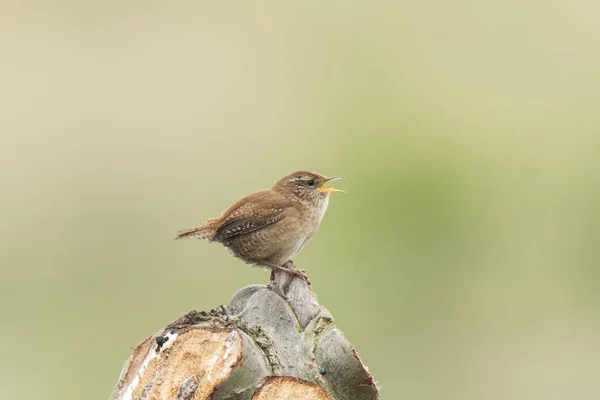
(291, 270)
(281, 277)
(290, 266)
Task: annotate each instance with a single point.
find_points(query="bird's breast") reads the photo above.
(320, 212)
(312, 222)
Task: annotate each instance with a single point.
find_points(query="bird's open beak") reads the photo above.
(330, 190)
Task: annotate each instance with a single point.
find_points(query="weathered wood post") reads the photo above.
(260, 346)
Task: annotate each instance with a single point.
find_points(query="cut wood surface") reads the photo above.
(261, 346)
(287, 387)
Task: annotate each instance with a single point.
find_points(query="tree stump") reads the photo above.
(263, 345)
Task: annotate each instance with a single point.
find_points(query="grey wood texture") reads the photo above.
(265, 334)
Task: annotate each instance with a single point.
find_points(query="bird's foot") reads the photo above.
(290, 269)
(301, 274)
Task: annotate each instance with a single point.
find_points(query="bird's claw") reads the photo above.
(301, 274)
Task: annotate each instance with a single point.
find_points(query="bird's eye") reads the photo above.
(310, 182)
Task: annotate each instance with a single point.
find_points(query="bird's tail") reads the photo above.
(203, 232)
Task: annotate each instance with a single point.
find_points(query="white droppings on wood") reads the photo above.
(213, 360)
(229, 343)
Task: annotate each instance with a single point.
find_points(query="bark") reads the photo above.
(261, 346)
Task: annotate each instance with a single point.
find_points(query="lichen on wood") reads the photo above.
(263, 345)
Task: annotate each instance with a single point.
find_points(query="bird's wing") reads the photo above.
(252, 213)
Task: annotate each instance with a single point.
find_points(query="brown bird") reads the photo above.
(268, 228)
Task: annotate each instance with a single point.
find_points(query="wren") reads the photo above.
(269, 227)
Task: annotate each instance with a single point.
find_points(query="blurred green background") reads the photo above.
(462, 264)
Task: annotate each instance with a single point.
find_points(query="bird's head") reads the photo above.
(306, 186)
